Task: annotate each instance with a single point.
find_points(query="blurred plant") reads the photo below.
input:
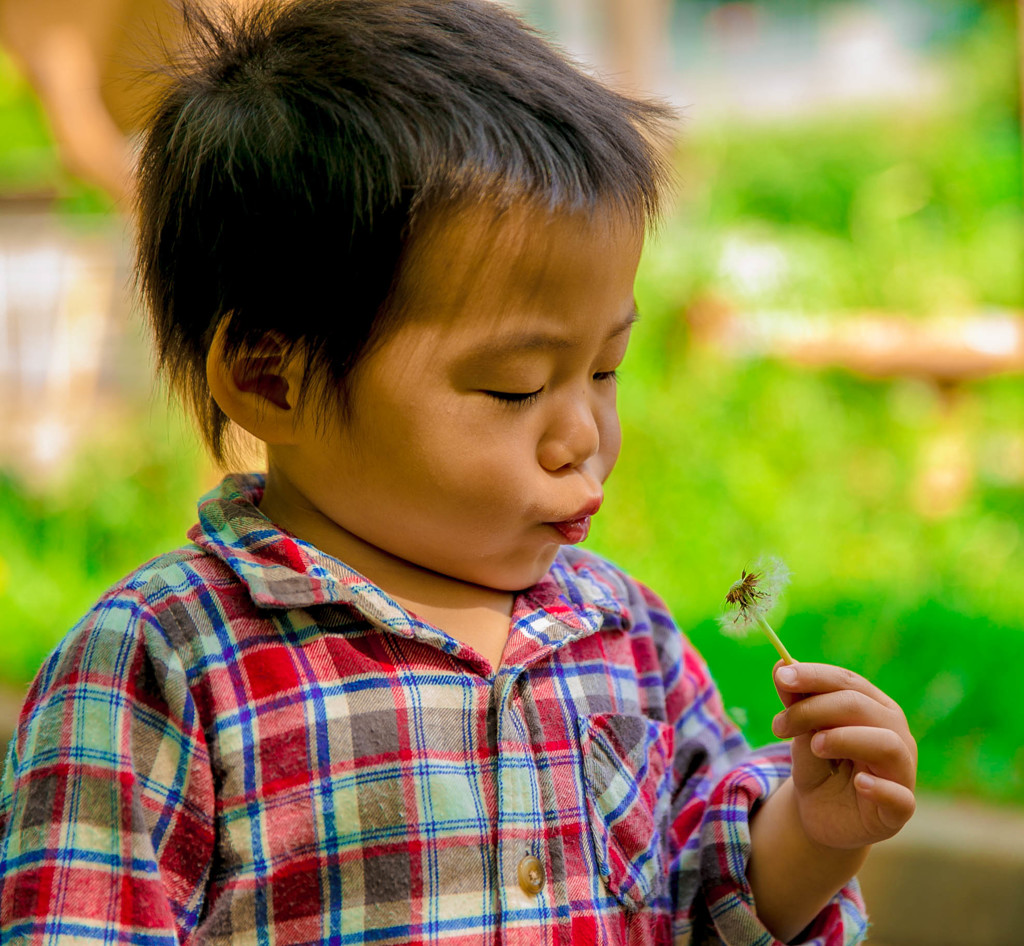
(127, 496)
(913, 212)
(919, 211)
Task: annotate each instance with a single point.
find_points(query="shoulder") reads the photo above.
(187, 583)
(148, 618)
(114, 698)
(657, 640)
(642, 607)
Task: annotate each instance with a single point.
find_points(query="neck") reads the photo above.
(471, 613)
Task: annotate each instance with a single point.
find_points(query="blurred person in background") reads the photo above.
(91, 64)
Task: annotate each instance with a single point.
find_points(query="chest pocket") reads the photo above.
(627, 766)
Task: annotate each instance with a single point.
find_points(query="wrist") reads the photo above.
(792, 874)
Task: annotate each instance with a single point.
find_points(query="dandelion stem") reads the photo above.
(774, 638)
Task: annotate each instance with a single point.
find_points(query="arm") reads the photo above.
(792, 877)
(854, 762)
(105, 823)
(720, 784)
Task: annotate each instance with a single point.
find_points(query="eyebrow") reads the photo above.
(542, 341)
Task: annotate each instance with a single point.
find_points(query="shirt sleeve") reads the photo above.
(718, 783)
(106, 803)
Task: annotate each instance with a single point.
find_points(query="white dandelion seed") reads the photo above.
(751, 597)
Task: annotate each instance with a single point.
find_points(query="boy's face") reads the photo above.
(483, 426)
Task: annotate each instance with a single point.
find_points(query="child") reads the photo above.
(379, 697)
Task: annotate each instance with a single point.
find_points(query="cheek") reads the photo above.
(455, 453)
(611, 439)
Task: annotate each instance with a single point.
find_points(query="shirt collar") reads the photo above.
(578, 595)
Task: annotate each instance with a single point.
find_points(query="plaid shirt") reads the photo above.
(247, 742)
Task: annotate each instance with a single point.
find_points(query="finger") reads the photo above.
(894, 803)
(811, 678)
(842, 708)
(788, 698)
(881, 750)
(809, 769)
(830, 710)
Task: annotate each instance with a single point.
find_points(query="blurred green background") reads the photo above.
(898, 503)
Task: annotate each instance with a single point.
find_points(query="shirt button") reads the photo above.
(531, 875)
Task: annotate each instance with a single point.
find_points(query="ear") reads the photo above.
(259, 388)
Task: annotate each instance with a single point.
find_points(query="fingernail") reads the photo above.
(865, 781)
(818, 742)
(779, 725)
(786, 675)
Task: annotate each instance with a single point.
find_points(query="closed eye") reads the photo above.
(523, 398)
(515, 398)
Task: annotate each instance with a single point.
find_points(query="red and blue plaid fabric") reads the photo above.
(246, 742)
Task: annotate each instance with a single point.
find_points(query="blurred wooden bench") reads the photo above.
(945, 353)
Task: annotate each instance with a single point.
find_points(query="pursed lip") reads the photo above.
(576, 527)
(589, 509)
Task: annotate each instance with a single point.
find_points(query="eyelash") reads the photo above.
(513, 399)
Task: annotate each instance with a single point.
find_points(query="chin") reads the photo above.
(517, 577)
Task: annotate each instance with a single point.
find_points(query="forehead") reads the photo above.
(480, 260)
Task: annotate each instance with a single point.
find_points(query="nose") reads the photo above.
(573, 434)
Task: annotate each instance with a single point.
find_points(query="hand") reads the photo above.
(854, 760)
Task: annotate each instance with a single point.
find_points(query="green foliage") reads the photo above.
(724, 459)
(27, 158)
(722, 462)
(128, 496)
(908, 210)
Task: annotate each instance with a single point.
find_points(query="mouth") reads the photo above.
(577, 527)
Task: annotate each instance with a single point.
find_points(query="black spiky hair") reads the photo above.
(295, 142)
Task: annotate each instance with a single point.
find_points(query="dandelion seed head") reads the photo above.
(753, 595)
